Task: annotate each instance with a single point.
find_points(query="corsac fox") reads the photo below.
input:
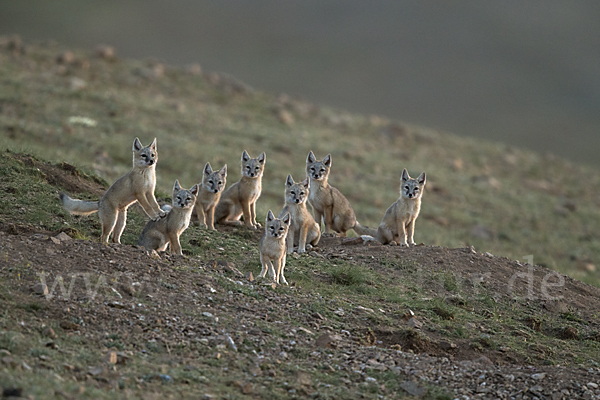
(398, 222)
(157, 235)
(138, 185)
(303, 228)
(213, 183)
(240, 198)
(272, 247)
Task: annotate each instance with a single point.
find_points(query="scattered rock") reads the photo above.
(413, 389)
(249, 276)
(568, 333)
(539, 376)
(326, 340)
(69, 325)
(66, 57)
(415, 323)
(12, 392)
(41, 289)
(49, 332)
(110, 357)
(105, 52)
(353, 241)
(63, 237)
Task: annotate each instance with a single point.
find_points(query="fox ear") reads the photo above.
(137, 145)
(405, 175)
(286, 218)
(223, 171)
(305, 183)
(289, 181)
(270, 216)
(262, 158)
(421, 179)
(327, 160)
(207, 169)
(153, 145)
(311, 157)
(245, 156)
(176, 186)
(194, 189)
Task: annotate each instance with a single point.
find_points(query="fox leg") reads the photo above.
(319, 218)
(265, 266)
(201, 215)
(328, 219)
(108, 220)
(152, 213)
(253, 215)
(302, 239)
(247, 213)
(411, 232)
(402, 234)
(281, 267)
(153, 204)
(384, 235)
(120, 225)
(210, 223)
(175, 244)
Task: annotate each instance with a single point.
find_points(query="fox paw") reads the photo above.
(283, 281)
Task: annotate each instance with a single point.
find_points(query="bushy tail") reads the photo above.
(364, 230)
(78, 207)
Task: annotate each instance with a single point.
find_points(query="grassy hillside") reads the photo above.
(499, 199)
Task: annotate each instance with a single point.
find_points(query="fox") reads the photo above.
(303, 228)
(137, 185)
(273, 248)
(157, 235)
(398, 223)
(211, 188)
(328, 203)
(240, 199)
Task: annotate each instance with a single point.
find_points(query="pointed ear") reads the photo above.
(270, 216)
(289, 181)
(327, 160)
(245, 156)
(176, 186)
(286, 218)
(207, 169)
(194, 189)
(305, 183)
(311, 157)
(153, 145)
(405, 175)
(223, 171)
(262, 158)
(137, 145)
(421, 179)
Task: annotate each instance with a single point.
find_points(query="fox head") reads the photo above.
(214, 181)
(412, 188)
(253, 167)
(296, 193)
(276, 227)
(144, 157)
(184, 198)
(318, 170)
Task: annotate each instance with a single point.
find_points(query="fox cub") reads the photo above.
(398, 223)
(213, 183)
(328, 203)
(303, 228)
(138, 185)
(157, 235)
(272, 247)
(240, 198)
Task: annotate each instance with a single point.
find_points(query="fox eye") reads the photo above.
(312, 168)
(210, 181)
(220, 183)
(292, 192)
(301, 193)
(281, 228)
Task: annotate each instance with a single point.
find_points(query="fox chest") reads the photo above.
(320, 197)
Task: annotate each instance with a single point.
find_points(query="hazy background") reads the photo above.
(523, 72)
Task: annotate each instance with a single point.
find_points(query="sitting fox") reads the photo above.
(272, 247)
(240, 198)
(213, 183)
(138, 185)
(398, 223)
(157, 235)
(303, 228)
(328, 203)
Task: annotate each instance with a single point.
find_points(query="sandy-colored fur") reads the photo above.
(303, 228)
(240, 199)
(398, 223)
(273, 248)
(157, 235)
(213, 183)
(138, 185)
(328, 203)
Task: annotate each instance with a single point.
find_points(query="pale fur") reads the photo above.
(328, 203)
(398, 223)
(240, 199)
(213, 183)
(157, 235)
(303, 228)
(273, 248)
(138, 185)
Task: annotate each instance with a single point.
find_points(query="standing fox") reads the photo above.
(303, 228)
(240, 198)
(398, 223)
(138, 185)
(157, 235)
(213, 183)
(272, 247)
(329, 204)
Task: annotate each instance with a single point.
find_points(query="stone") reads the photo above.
(49, 332)
(110, 357)
(249, 276)
(413, 389)
(414, 323)
(63, 237)
(539, 376)
(41, 289)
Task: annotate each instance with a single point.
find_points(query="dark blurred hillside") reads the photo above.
(525, 73)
